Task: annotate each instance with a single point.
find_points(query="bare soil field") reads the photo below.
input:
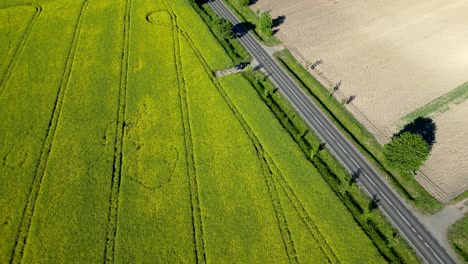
(445, 172)
(395, 57)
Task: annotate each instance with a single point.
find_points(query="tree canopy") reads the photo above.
(223, 28)
(406, 152)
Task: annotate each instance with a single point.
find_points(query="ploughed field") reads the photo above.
(400, 59)
(119, 145)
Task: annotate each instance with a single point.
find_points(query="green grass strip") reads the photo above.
(441, 104)
(458, 237)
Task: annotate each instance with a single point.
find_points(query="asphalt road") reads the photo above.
(371, 181)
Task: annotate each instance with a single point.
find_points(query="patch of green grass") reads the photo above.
(406, 185)
(245, 14)
(439, 105)
(460, 197)
(458, 237)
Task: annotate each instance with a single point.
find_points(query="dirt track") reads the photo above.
(395, 57)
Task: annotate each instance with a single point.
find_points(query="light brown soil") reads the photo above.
(394, 56)
(445, 174)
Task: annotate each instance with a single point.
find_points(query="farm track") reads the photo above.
(112, 225)
(197, 222)
(29, 209)
(261, 155)
(19, 49)
(303, 214)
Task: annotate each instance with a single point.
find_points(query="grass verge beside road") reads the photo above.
(458, 238)
(245, 14)
(406, 185)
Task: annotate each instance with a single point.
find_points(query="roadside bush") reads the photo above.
(223, 28)
(266, 22)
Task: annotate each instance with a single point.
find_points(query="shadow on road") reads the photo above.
(242, 28)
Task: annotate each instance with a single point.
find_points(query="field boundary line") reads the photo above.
(194, 193)
(113, 214)
(19, 48)
(259, 151)
(29, 209)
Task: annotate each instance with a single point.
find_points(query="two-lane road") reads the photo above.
(370, 180)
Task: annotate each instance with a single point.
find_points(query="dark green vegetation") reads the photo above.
(245, 14)
(222, 28)
(118, 145)
(458, 237)
(406, 152)
(404, 182)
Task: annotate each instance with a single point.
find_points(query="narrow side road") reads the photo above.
(424, 244)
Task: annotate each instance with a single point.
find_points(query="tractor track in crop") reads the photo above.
(197, 221)
(303, 214)
(261, 155)
(19, 48)
(28, 211)
(112, 224)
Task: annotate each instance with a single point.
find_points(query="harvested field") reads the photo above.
(118, 145)
(394, 56)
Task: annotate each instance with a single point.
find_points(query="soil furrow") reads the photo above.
(109, 251)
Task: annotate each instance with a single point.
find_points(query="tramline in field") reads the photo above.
(119, 145)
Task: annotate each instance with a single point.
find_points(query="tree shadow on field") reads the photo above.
(240, 29)
(252, 2)
(278, 21)
(423, 126)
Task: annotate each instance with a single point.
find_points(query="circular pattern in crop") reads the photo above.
(159, 17)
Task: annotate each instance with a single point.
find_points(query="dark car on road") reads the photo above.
(241, 65)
